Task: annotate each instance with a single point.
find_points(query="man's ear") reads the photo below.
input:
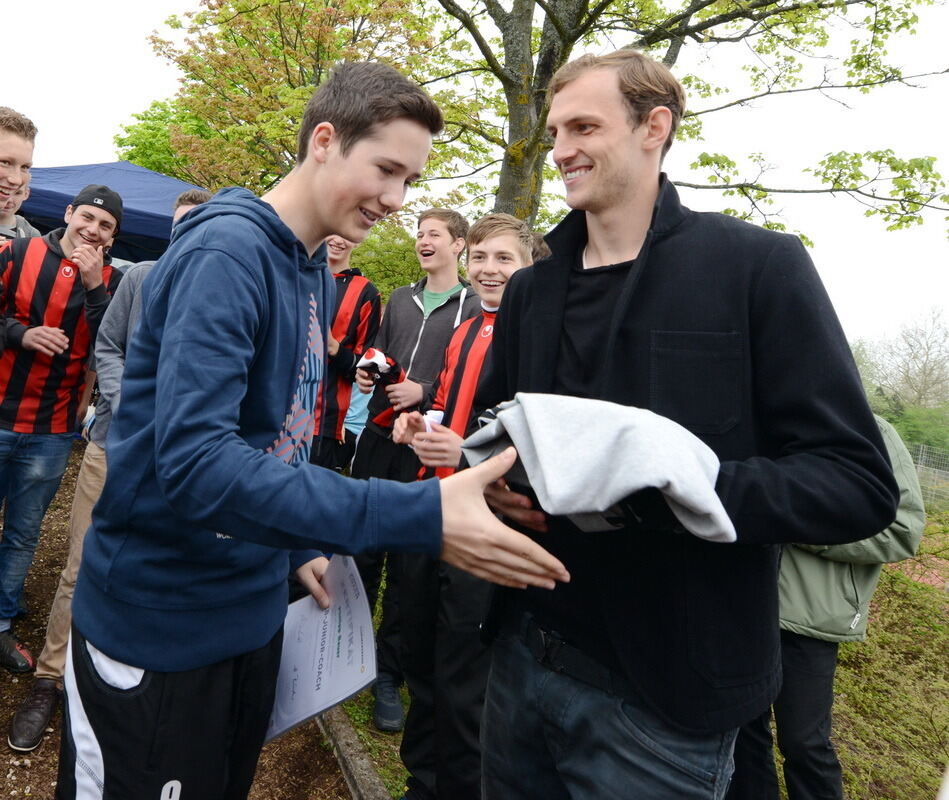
(458, 246)
(68, 215)
(657, 125)
(324, 134)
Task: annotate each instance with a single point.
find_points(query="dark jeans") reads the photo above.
(378, 456)
(802, 717)
(547, 736)
(446, 669)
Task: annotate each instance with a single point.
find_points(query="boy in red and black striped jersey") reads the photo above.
(55, 290)
(355, 324)
(443, 660)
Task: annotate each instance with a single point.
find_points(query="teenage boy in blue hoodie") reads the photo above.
(210, 499)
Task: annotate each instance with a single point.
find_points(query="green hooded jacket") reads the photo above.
(825, 590)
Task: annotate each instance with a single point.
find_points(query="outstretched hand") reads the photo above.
(476, 541)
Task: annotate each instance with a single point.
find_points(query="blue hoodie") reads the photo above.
(209, 486)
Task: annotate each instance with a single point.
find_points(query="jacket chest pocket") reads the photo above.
(695, 378)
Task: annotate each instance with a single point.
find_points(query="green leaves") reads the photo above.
(896, 189)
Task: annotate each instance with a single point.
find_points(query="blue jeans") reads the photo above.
(547, 736)
(31, 468)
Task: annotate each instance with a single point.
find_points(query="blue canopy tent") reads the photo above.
(147, 199)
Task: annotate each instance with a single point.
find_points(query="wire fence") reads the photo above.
(932, 466)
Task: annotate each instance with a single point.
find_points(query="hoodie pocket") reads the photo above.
(695, 378)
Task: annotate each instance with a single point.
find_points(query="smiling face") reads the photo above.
(16, 158)
(491, 262)
(87, 224)
(351, 193)
(600, 155)
(435, 246)
(11, 204)
(338, 250)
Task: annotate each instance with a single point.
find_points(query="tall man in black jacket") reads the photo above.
(632, 680)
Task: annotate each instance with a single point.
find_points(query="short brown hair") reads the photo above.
(540, 248)
(457, 225)
(192, 197)
(644, 82)
(14, 122)
(357, 97)
(498, 224)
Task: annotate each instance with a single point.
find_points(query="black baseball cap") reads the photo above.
(103, 197)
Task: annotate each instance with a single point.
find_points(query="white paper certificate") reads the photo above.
(328, 655)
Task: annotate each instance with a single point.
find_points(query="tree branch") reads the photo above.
(818, 88)
(746, 186)
(465, 175)
(764, 9)
(468, 21)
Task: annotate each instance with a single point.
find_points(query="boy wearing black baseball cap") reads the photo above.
(55, 290)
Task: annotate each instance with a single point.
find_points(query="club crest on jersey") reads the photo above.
(486, 331)
(68, 271)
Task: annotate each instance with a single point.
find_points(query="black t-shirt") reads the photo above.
(591, 299)
(577, 610)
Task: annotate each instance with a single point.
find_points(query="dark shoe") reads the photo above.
(33, 716)
(14, 657)
(387, 711)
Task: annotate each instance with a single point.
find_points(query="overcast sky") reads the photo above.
(95, 69)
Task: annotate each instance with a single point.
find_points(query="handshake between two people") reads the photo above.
(475, 540)
(437, 445)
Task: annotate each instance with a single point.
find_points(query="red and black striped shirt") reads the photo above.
(39, 393)
(355, 325)
(454, 390)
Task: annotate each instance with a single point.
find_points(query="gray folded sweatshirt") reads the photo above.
(581, 457)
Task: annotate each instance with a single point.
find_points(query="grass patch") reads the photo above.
(891, 715)
(383, 748)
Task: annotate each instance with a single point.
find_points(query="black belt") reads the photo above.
(555, 654)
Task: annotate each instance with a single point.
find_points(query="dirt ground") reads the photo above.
(298, 766)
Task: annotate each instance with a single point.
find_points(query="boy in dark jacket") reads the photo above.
(418, 322)
(210, 500)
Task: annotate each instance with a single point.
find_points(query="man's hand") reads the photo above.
(365, 381)
(46, 340)
(311, 575)
(514, 506)
(332, 346)
(89, 259)
(440, 447)
(406, 426)
(476, 541)
(404, 394)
